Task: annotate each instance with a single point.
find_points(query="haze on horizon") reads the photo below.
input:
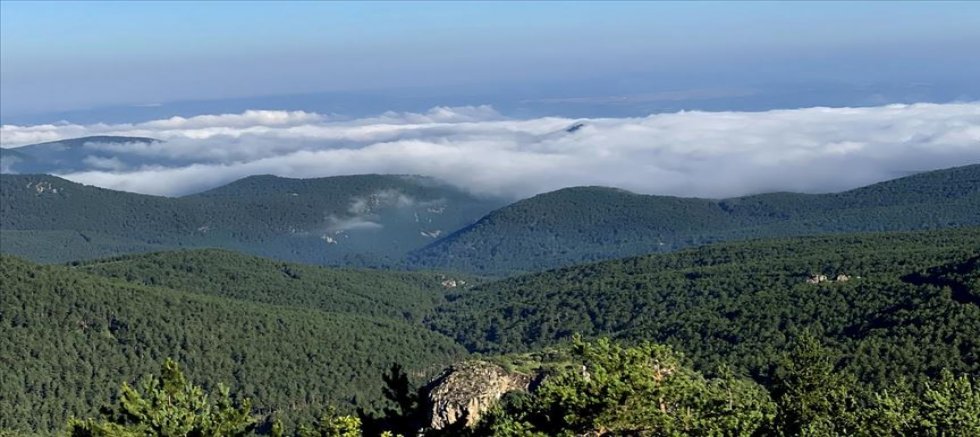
(63, 59)
(696, 98)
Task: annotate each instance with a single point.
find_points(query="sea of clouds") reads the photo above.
(691, 153)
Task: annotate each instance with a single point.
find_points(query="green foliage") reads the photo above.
(56, 246)
(642, 390)
(953, 405)
(905, 311)
(400, 295)
(370, 219)
(584, 224)
(610, 390)
(49, 219)
(648, 390)
(333, 425)
(874, 355)
(811, 394)
(408, 415)
(950, 406)
(169, 406)
(67, 337)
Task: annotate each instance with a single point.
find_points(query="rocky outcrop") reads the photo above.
(453, 283)
(817, 279)
(463, 392)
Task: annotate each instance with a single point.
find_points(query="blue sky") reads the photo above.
(57, 57)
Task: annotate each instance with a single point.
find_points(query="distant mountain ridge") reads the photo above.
(583, 224)
(349, 220)
(100, 152)
(416, 222)
(81, 141)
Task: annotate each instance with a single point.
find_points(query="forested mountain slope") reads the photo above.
(299, 338)
(68, 338)
(908, 306)
(397, 295)
(376, 220)
(576, 225)
(352, 220)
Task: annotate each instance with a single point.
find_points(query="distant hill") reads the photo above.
(583, 224)
(76, 154)
(295, 339)
(73, 143)
(896, 304)
(350, 220)
(419, 223)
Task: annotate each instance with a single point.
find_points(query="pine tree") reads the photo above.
(168, 406)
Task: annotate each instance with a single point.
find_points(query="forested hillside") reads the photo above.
(398, 295)
(68, 338)
(897, 305)
(415, 222)
(585, 224)
(297, 339)
(601, 388)
(350, 220)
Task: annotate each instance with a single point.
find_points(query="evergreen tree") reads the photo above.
(643, 390)
(333, 425)
(811, 395)
(169, 406)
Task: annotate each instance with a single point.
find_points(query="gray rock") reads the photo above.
(463, 392)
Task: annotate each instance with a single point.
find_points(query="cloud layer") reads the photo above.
(708, 154)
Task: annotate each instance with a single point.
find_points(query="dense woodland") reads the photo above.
(68, 338)
(577, 225)
(908, 309)
(417, 223)
(604, 389)
(298, 340)
(411, 296)
(649, 389)
(369, 219)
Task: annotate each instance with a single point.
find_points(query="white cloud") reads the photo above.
(246, 119)
(695, 153)
(104, 163)
(362, 212)
(7, 163)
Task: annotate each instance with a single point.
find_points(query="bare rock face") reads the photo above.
(465, 391)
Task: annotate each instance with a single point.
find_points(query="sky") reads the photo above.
(58, 57)
(708, 99)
